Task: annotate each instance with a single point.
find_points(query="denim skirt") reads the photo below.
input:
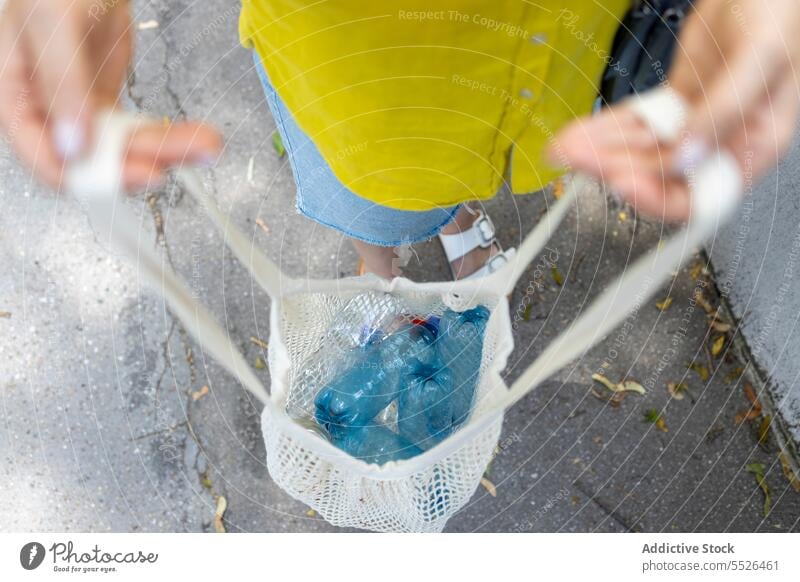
(322, 198)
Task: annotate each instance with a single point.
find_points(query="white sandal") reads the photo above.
(480, 234)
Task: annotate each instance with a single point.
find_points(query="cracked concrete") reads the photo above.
(100, 431)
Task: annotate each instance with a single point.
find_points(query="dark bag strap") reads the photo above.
(643, 48)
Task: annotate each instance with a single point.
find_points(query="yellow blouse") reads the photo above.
(417, 104)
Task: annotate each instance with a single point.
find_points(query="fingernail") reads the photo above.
(690, 154)
(69, 138)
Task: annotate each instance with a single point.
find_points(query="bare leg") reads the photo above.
(474, 259)
(378, 260)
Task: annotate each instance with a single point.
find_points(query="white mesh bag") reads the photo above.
(419, 494)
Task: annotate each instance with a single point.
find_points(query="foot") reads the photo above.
(381, 261)
(475, 259)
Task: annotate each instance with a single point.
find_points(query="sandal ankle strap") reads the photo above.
(480, 234)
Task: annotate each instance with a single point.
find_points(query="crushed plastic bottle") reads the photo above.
(439, 398)
(374, 443)
(363, 319)
(425, 413)
(460, 345)
(373, 377)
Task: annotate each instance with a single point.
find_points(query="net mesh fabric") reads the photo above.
(425, 496)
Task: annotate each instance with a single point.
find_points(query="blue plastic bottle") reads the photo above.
(374, 443)
(425, 407)
(460, 346)
(373, 377)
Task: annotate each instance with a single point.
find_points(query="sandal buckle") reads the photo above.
(497, 261)
(485, 228)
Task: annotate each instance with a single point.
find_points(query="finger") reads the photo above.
(616, 127)
(20, 119)
(54, 40)
(31, 141)
(607, 141)
(179, 143)
(653, 194)
(140, 174)
(110, 44)
(651, 160)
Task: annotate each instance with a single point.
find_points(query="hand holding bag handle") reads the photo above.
(95, 181)
(715, 192)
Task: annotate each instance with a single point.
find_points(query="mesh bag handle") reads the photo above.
(95, 182)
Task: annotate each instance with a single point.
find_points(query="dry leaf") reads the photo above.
(677, 390)
(311, 513)
(614, 400)
(259, 363)
(222, 505)
(558, 189)
(734, 374)
(526, 313)
(755, 410)
(200, 393)
(624, 386)
(489, 486)
(148, 25)
(757, 469)
(653, 416)
(605, 382)
(259, 342)
(696, 270)
(557, 277)
(703, 302)
(700, 369)
(5, 314)
(262, 225)
(716, 347)
(743, 415)
(751, 395)
(763, 429)
(631, 386)
(250, 170)
(617, 398)
(664, 304)
(277, 144)
(794, 480)
(721, 327)
(598, 395)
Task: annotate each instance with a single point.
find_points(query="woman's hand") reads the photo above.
(736, 67)
(60, 62)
